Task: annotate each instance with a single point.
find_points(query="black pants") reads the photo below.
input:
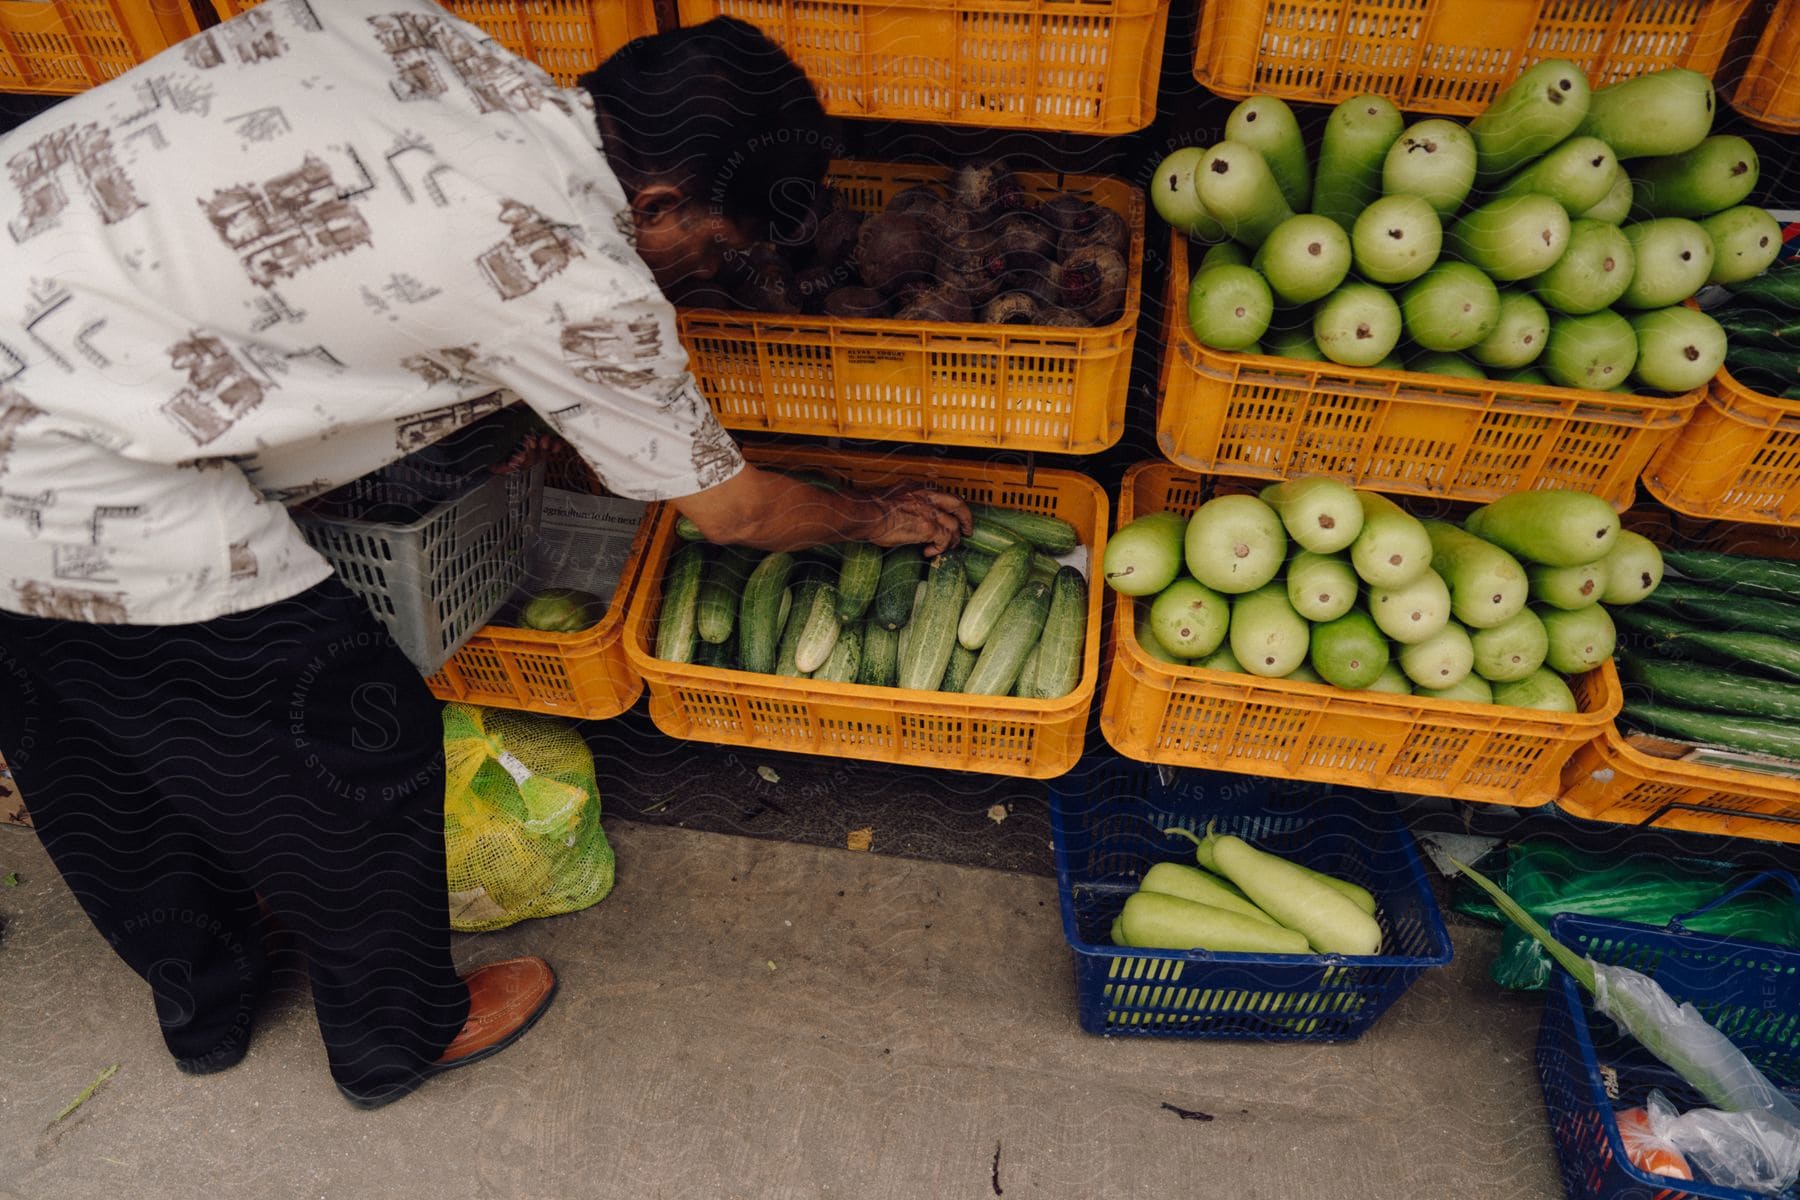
(177, 773)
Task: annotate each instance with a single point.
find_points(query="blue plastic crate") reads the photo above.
(1107, 828)
(1749, 990)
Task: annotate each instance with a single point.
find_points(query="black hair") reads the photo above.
(721, 112)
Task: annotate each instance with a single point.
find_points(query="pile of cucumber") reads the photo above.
(1314, 582)
(1714, 655)
(1552, 240)
(996, 616)
(1762, 319)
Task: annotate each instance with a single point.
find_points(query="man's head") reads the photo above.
(718, 139)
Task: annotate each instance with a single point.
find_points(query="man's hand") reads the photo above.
(771, 511)
(913, 513)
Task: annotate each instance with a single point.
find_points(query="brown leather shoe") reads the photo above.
(506, 998)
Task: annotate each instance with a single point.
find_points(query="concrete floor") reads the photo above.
(754, 1018)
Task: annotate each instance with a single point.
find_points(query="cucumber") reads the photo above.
(1568, 588)
(1779, 286)
(901, 569)
(675, 622)
(1487, 585)
(880, 662)
(760, 618)
(1017, 632)
(721, 591)
(1052, 535)
(989, 535)
(1025, 686)
(858, 577)
(1063, 641)
(1543, 690)
(927, 653)
(1580, 640)
(1392, 547)
(905, 634)
(997, 588)
(820, 632)
(1779, 738)
(1761, 576)
(961, 666)
(976, 564)
(1412, 613)
(687, 531)
(1689, 685)
(722, 655)
(1555, 528)
(1758, 327)
(1756, 614)
(1760, 653)
(788, 650)
(845, 659)
(1321, 587)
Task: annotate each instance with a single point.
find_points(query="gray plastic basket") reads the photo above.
(454, 549)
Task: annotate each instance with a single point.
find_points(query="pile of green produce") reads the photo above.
(1762, 319)
(562, 610)
(1245, 900)
(1315, 582)
(1718, 654)
(1552, 240)
(980, 249)
(996, 616)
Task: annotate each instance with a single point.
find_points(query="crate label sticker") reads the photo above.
(864, 358)
(518, 770)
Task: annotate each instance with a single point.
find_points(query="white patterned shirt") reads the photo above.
(287, 252)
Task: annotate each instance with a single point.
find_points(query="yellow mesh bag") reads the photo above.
(521, 818)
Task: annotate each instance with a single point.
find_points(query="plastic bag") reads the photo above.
(1755, 1143)
(1547, 878)
(521, 819)
(1646, 1151)
(1751, 1151)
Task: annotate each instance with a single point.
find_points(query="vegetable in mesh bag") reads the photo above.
(522, 818)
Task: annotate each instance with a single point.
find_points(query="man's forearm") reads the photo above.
(770, 511)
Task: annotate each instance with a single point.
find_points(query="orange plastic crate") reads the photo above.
(1768, 92)
(1737, 458)
(1000, 735)
(1446, 56)
(584, 674)
(1610, 780)
(1079, 66)
(1191, 717)
(1014, 387)
(1396, 431)
(61, 47)
(568, 38)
